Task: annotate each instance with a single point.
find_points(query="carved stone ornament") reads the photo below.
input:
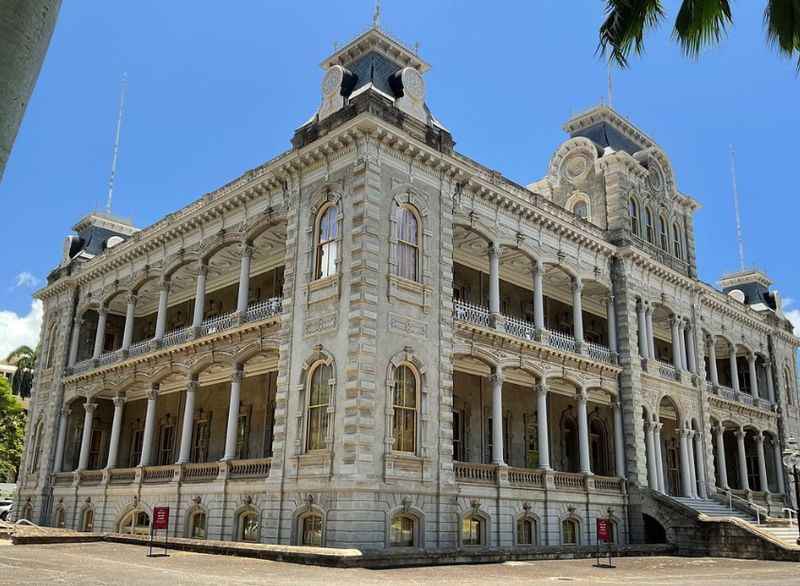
(247, 500)
(575, 167)
(332, 80)
(475, 504)
(406, 504)
(197, 499)
(309, 500)
(413, 84)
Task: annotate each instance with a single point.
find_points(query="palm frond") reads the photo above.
(782, 21)
(700, 23)
(624, 27)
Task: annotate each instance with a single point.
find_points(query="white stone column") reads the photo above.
(199, 296)
(161, 318)
(778, 467)
(619, 440)
(494, 280)
(722, 465)
(233, 416)
(770, 383)
(86, 438)
(127, 333)
(583, 431)
(652, 472)
(116, 428)
(538, 295)
(676, 344)
(682, 343)
(611, 315)
(497, 417)
(100, 333)
(149, 427)
(541, 422)
(185, 455)
(662, 486)
(712, 362)
(643, 345)
(75, 341)
(686, 482)
(244, 279)
(751, 367)
(743, 480)
(58, 464)
(690, 354)
(692, 469)
(734, 370)
(701, 465)
(762, 463)
(651, 334)
(577, 312)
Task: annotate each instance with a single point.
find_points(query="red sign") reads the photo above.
(160, 517)
(603, 530)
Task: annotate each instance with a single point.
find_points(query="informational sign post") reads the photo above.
(604, 536)
(160, 521)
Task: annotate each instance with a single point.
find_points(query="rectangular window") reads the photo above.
(471, 531)
(137, 439)
(95, 449)
(200, 441)
(531, 441)
(242, 436)
(166, 445)
(458, 436)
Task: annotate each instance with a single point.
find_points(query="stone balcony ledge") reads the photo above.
(538, 479)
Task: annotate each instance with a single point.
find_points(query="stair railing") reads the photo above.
(759, 510)
(791, 514)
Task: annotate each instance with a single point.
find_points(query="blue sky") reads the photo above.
(215, 92)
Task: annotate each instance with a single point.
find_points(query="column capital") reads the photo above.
(202, 269)
(576, 284)
(152, 394)
(66, 411)
(192, 386)
(751, 358)
(164, 285)
(132, 298)
(541, 388)
(538, 267)
(247, 250)
(496, 377)
(237, 376)
(759, 437)
(102, 311)
(89, 407)
(119, 401)
(657, 426)
(741, 434)
(581, 395)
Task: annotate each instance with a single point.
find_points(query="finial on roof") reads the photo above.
(376, 16)
(416, 48)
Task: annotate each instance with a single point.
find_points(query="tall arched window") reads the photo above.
(581, 209)
(197, 525)
(326, 251)
(472, 530)
(663, 233)
(648, 225)
(787, 378)
(676, 241)
(87, 525)
(135, 523)
(633, 212)
(318, 399)
(248, 527)
(60, 522)
(311, 530)
(526, 531)
(405, 410)
(407, 244)
(402, 531)
(37, 447)
(51, 344)
(569, 532)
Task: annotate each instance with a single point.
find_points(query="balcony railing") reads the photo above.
(243, 469)
(122, 475)
(474, 314)
(526, 477)
(569, 481)
(491, 474)
(666, 370)
(256, 312)
(201, 472)
(520, 328)
(729, 394)
(475, 473)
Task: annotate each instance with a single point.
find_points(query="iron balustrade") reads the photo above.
(520, 328)
(474, 314)
(264, 309)
(598, 352)
(138, 348)
(218, 324)
(176, 337)
(665, 370)
(559, 341)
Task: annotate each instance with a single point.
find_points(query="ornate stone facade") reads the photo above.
(374, 341)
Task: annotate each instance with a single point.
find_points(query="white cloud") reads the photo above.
(26, 279)
(16, 330)
(793, 315)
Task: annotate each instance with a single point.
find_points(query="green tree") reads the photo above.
(12, 432)
(24, 358)
(698, 24)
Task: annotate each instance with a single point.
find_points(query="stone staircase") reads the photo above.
(713, 509)
(786, 534)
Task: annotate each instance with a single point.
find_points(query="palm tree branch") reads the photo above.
(782, 21)
(624, 27)
(700, 23)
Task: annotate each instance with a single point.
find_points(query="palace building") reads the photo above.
(375, 341)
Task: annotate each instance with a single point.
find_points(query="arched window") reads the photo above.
(581, 209)
(404, 429)
(197, 525)
(676, 241)
(569, 532)
(787, 378)
(247, 527)
(318, 399)
(472, 530)
(311, 530)
(51, 345)
(633, 213)
(648, 225)
(87, 525)
(326, 249)
(37, 447)
(663, 233)
(60, 518)
(135, 523)
(526, 531)
(402, 532)
(407, 244)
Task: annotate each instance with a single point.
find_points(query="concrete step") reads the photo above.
(787, 535)
(712, 508)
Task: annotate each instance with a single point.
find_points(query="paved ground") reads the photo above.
(124, 565)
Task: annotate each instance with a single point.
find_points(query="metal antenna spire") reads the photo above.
(739, 239)
(610, 94)
(123, 91)
(376, 16)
